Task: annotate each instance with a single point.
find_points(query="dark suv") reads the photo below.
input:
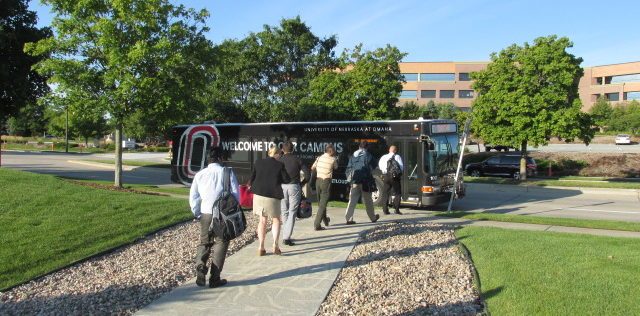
(488, 147)
(501, 165)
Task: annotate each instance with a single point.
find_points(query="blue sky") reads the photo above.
(603, 32)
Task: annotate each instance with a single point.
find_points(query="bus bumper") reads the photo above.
(433, 199)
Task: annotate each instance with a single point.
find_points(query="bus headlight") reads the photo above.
(427, 189)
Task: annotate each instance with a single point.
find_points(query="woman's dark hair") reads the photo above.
(287, 147)
(215, 155)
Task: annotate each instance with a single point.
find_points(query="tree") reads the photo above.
(126, 57)
(366, 85)
(29, 121)
(267, 74)
(625, 117)
(528, 94)
(19, 84)
(601, 112)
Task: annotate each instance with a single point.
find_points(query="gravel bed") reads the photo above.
(120, 282)
(405, 269)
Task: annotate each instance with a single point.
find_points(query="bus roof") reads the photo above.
(321, 122)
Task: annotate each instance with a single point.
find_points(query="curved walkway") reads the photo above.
(297, 282)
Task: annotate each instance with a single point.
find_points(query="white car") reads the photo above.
(623, 139)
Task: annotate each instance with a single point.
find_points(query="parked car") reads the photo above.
(488, 147)
(501, 165)
(623, 139)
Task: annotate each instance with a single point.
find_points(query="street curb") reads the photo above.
(536, 227)
(103, 165)
(626, 192)
(631, 192)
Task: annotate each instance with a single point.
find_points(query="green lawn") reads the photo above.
(556, 221)
(144, 187)
(543, 273)
(137, 163)
(47, 147)
(570, 182)
(48, 222)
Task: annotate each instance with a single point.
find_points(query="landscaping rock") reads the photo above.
(120, 282)
(407, 269)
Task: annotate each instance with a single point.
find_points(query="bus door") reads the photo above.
(410, 153)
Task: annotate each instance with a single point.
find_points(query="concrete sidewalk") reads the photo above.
(297, 282)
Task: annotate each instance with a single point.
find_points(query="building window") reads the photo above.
(632, 95)
(446, 94)
(465, 94)
(437, 77)
(428, 94)
(409, 94)
(464, 76)
(615, 96)
(626, 78)
(410, 77)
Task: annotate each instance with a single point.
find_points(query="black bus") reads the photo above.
(429, 149)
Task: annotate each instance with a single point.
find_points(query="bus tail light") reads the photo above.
(427, 189)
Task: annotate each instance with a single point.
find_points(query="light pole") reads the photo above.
(66, 130)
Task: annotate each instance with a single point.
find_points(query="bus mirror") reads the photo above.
(431, 145)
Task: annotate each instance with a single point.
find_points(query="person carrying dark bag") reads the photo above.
(206, 188)
(392, 168)
(359, 174)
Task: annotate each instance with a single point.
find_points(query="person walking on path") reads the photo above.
(324, 166)
(392, 169)
(267, 178)
(359, 175)
(206, 188)
(292, 191)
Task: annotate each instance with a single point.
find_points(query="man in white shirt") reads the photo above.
(390, 179)
(206, 187)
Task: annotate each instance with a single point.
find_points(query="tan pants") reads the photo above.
(354, 197)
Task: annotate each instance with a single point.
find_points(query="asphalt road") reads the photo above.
(536, 201)
(605, 204)
(593, 148)
(71, 165)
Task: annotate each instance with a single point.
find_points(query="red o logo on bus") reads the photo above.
(192, 151)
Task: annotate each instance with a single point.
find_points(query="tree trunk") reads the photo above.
(118, 158)
(523, 161)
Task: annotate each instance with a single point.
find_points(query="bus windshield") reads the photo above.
(440, 157)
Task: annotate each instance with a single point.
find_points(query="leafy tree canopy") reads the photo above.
(267, 73)
(128, 57)
(19, 84)
(529, 94)
(601, 112)
(366, 86)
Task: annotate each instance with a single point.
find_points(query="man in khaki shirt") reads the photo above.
(324, 166)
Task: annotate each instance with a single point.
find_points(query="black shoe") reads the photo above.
(217, 283)
(201, 275)
(350, 222)
(376, 219)
(320, 228)
(398, 212)
(288, 242)
(326, 221)
(386, 212)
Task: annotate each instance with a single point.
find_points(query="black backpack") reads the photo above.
(230, 222)
(393, 168)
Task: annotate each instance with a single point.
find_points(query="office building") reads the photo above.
(445, 82)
